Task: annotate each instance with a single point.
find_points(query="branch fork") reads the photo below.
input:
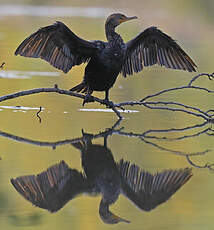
(146, 101)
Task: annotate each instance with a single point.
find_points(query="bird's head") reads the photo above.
(116, 19)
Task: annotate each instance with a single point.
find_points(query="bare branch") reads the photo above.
(55, 89)
(203, 114)
(183, 108)
(160, 105)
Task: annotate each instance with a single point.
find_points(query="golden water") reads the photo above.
(62, 118)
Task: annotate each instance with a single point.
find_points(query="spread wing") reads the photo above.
(58, 45)
(152, 46)
(53, 188)
(147, 191)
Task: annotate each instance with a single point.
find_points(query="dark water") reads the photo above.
(29, 147)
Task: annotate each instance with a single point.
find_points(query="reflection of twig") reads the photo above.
(210, 76)
(38, 143)
(180, 153)
(146, 137)
(2, 65)
(37, 114)
(180, 130)
(105, 133)
(209, 166)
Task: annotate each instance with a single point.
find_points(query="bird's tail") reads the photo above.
(82, 87)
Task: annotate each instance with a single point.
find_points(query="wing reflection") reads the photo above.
(53, 188)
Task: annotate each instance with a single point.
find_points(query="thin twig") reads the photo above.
(2, 65)
(37, 114)
(147, 104)
(178, 104)
(175, 89)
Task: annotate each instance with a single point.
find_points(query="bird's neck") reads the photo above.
(111, 35)
(105, 213)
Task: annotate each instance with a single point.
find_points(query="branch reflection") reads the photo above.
(148, 137)
(53, 188)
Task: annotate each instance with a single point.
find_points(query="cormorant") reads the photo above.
(53, 188)
(63, 49)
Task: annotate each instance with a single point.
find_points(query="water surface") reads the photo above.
(154, 140)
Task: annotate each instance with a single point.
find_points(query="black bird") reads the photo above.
(63, 49)
(53, 188)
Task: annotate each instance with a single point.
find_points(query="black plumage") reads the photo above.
(59, 46)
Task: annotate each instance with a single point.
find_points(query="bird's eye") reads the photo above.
(122, 18)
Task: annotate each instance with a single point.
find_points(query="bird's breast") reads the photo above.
(113, 57)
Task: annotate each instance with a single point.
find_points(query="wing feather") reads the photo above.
(58, 45)
(152, 46)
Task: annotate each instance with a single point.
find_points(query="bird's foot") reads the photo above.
(109, 104)
(88, 98)
(87, 135)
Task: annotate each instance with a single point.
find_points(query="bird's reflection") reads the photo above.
(53, 188)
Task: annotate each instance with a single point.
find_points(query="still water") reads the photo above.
(55, 163)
